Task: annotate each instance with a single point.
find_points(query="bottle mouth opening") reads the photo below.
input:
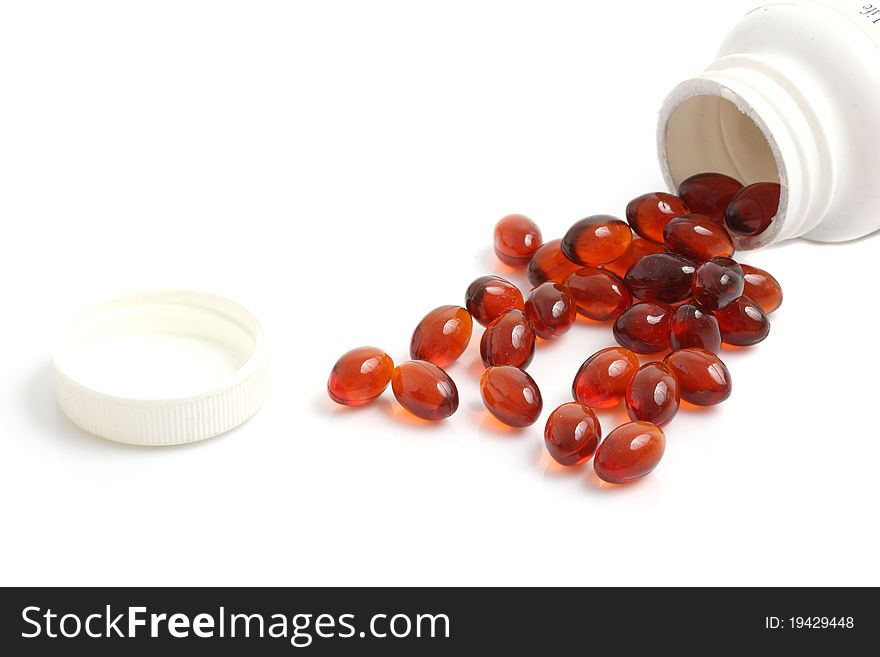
(706, 127)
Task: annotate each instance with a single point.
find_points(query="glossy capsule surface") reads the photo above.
(509, 340)
(644, 328)
(490, 296)
(516, 238)
(442, 335)
(551, 310)
(634, 252)
(743, 322)
(753, 208)
(664, 277)
(648, 214)
(697, 238)
(598, 294)
(703, 379)
(602, 379)
(762, 288)
(424, 390)
(629, 452)
(596, 240)
(709, 193)
(653, 394)
(360, 376)
(717, 283)
(692, 327)
(511, 395)
(550, 264)
(572, 433)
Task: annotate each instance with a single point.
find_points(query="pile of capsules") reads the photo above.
(675, 288)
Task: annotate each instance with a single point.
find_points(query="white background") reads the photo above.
(337, 167)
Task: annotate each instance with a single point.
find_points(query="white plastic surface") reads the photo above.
(161, 368)
(793, 95)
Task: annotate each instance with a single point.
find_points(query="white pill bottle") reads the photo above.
(792, 97)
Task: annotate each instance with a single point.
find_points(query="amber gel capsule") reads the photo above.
(511, 395)
(630, 451)
(490, 296)
(717, 283)
(743, 322)
(709, 193)
(602, 379)
(703, 378)
(691, 327)
(644, 328)
(424, 390)
(509, 340)
(751, 211)
(551, 310)
(653, 394)
(516, 239)
(550, 264)
(664, 277)
(442, 335)
(698, 238)
(360, 376)
(762, 288)
(596, 240)
(598, 294)
(648, 214)
(572, 434)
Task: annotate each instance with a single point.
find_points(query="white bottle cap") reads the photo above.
(162, 368)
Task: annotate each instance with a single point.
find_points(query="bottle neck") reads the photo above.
(745, 118)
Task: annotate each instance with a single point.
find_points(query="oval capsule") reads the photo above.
(709, 193)
(598, 294)
(596, 240)
(648, 214)
(550, 264)
(664, 277)
(743, 322)
(490, 296)
(703, 379)
(691, 327)
(644, 328)
(516, 238)
(424, 390)
(572, 434)
(509, 340)
(762, 288)
(753, 208)
(511, 395)
(629, 452)
(717, 283)
(442, 335)
(653, 394)
(602, 379)
(697, 238)
(360, 376)
(551, 310)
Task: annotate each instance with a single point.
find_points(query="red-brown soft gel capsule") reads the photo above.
(648, 214)
(751, 211)
(550, 264)
(644, 328)
(717, 283)
(636, 250)
(702, 378)
(596, 240)
(602, 379)
(664, 277)
(551, 310)
(709, 193)
(511, 395)
(698, 238)
(442, 335)
(516, 239)
(631, 451)
(653, 394)
(598, 294)
(509, 340)
(572, 434)
(762, 288)
(691, 327)
(360, 376)
(743, 322)
(424, 390)
(488, 297)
